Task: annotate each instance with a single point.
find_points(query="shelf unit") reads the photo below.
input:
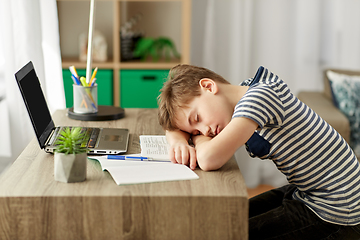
(171, 18)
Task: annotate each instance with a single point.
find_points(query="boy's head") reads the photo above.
(181, 87)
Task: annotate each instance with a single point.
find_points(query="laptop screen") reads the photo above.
(35, 102)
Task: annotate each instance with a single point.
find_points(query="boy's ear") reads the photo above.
(208, 84)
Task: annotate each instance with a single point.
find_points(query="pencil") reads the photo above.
(93, 76)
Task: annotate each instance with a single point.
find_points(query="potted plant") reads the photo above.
(155, 48)
(70, 157)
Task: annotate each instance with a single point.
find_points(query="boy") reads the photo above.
(322, 199)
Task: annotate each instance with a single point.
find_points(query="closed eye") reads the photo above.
(197, 119)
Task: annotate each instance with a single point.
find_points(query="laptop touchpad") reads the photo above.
(114, 138)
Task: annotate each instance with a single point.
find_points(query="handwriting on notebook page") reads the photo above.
(154, 146)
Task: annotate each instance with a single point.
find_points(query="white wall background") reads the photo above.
(29, 31)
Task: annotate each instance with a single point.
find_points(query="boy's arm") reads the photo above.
(180, 151)
(213, 153)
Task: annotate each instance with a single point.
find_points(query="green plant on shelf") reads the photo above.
(158, 48)
(70, 141)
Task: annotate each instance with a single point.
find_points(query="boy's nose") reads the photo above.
(207, 131)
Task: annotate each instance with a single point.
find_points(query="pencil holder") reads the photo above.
(85, 99)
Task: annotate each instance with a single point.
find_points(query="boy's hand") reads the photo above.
(180, 151)
(183, 153)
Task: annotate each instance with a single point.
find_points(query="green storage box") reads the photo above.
(104, 80)
(140, 88)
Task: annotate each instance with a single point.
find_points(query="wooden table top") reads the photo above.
(35, 206)
(32, 174)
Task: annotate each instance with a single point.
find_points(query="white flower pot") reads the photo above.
(70, 168)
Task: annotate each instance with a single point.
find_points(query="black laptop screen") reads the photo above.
(34, 100)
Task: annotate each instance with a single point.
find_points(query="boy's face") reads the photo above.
(207, 114)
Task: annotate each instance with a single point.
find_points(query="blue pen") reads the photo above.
(122, 157)
(74, 79)
(93, 82)
(77, 81)
(94, 106)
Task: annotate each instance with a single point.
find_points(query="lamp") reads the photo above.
(104, 112)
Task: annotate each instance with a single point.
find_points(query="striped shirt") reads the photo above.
(305, 148)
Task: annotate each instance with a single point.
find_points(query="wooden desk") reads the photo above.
(34, 206)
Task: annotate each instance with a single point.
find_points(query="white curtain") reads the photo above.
(29, 32)
(295, 39)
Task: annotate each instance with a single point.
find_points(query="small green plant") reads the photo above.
(156, 48)
(70, 141)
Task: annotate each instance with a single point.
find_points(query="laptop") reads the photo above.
(97, 140)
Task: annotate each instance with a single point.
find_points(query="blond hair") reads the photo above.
(181, 87)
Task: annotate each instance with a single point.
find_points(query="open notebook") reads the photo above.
(134, 172)
(159, 169)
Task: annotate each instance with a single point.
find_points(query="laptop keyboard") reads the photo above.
(93, 137)
(90, 139)
(87, 136)
(53, 137)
